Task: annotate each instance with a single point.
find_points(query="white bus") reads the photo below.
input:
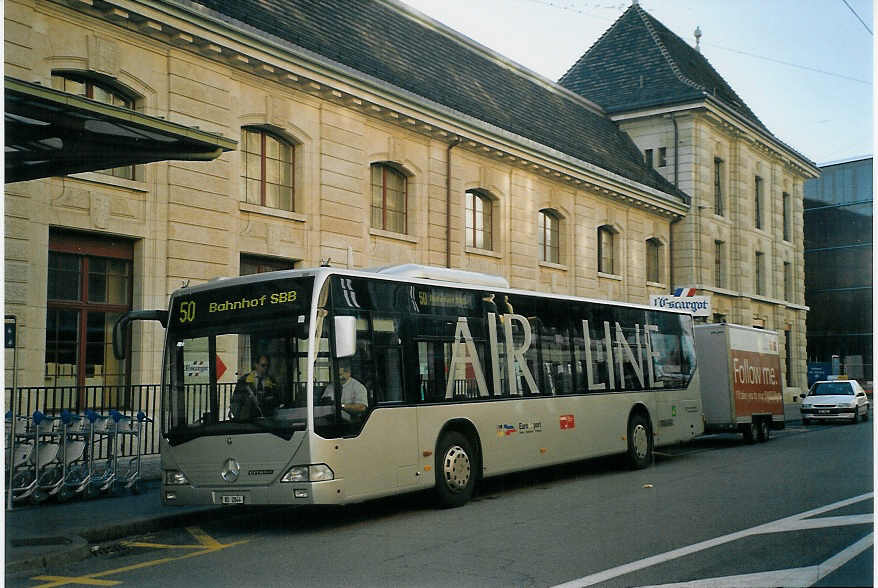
(445, 377)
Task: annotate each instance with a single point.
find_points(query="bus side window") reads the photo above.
(387, 355)
(361, 362)
(431, 371)
(555, 351)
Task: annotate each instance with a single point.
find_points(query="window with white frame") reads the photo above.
(787, 217)
(718, 264)
(606, 250)
(549, 236)
(479, 219)
(389, 198)
(787, 281)
(759, 273)
(662, 156)
(757, 201)
(653, 260)
(268, 169)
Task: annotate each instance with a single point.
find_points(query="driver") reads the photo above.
(255, 393)
(354, 396)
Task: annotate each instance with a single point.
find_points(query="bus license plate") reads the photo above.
(233, 499)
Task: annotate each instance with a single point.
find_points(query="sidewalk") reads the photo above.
(49, 534)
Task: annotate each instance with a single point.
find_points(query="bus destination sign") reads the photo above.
(253, 301)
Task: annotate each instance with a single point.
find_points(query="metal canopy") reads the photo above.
(54, 133)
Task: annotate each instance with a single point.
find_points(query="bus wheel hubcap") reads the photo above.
(456, 468)
(640, 441)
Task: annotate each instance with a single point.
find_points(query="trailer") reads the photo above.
(741, 382)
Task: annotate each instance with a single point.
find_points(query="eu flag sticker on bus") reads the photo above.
(567, 421)
(505, 430)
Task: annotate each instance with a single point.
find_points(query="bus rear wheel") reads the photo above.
(639, 442)
(456, 467)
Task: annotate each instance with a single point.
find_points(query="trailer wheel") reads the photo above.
(763, 432)
(639, 442)
(456, 467)
(747, 432)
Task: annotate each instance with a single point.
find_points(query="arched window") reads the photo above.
(479, 216)
(606, 254)
(653, 260)
(389, 198)
(83, 86)
(549, 236)
(268, 169)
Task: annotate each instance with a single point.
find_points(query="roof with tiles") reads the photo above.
(639, 63)
(410, 51)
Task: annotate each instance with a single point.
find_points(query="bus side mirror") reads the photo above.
(345, 336)
(120, 329)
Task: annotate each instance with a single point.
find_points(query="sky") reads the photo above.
(803, 66)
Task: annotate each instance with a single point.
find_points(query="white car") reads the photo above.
(836, 400)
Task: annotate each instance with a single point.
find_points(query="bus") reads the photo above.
(348, 385)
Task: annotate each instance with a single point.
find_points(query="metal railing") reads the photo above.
(128, 400)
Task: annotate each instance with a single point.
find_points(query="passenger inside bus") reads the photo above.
(354, 396)
(255, 393)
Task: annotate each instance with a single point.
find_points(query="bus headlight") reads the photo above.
(310, 473)
(321, 473)
(175, 478)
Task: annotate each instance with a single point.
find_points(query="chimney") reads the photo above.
(698, 39)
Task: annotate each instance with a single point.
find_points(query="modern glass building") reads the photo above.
(838, 267)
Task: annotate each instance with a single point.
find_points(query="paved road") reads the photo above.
(795, 511)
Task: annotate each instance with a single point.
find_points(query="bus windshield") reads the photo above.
(237, 360)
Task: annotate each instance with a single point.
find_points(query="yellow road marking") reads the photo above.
(203, 538)
(160, 545)
(206, 544)
(84, 580)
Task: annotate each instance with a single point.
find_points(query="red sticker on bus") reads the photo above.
(567, 421)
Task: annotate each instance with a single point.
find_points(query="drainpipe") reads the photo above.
(676, 148)
(451, 146)
(671, 254)
(675, 221)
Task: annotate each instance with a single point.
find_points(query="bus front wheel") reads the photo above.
(639, 442)
(456, 467)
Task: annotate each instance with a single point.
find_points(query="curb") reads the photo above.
(77, 551)
(79, 547)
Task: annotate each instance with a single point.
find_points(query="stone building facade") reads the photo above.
(341, 159)
(742, 242)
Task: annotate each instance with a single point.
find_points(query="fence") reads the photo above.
(128, 400)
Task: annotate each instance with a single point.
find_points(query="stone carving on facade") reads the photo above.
(103, 56)
(273, 236)
(100, 210)
(73, 197)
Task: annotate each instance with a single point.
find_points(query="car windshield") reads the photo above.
(832, 389)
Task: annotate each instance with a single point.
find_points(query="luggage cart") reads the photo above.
(132, 428)
(100, 431)
(35, 439)
(50, 452)
(22, 471)
(75, 464)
